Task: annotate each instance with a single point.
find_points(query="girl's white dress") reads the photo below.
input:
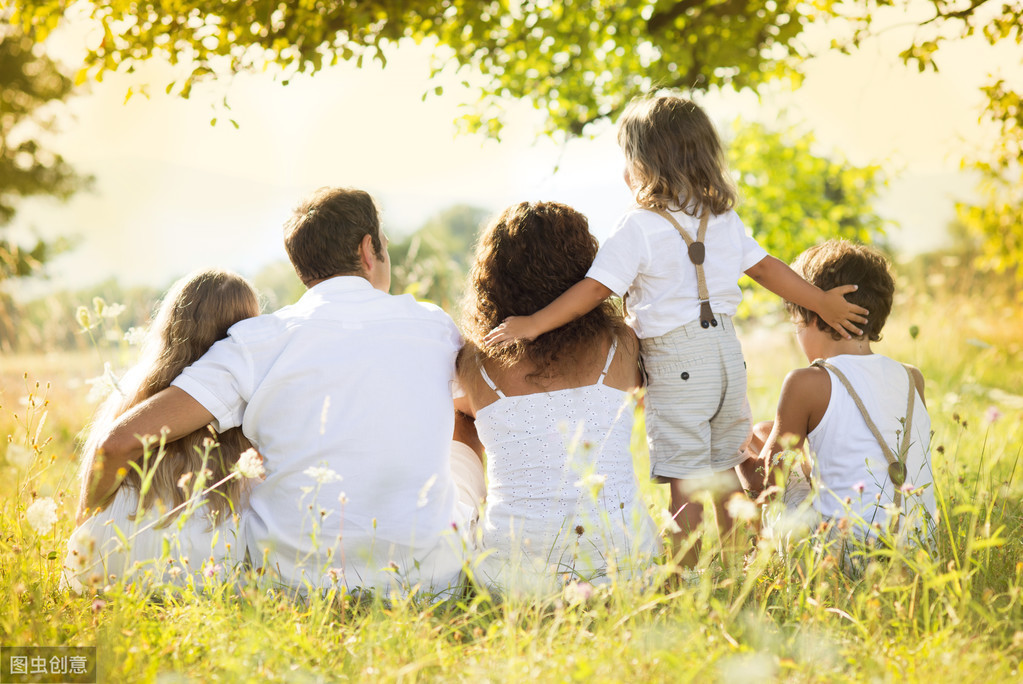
(562, 498)
(110, 546)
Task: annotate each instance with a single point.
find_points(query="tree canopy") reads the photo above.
(579, 60)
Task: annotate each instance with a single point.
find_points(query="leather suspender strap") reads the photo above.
(697, 255)
(896, 463)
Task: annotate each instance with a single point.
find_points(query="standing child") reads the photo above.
(196, 312)
(863, 414)
(676, 259)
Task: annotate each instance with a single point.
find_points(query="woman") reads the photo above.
(555, 414)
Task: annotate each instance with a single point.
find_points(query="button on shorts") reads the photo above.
(698, 419)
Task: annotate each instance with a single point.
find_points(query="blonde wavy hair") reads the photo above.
(674, 156)
(195, 313)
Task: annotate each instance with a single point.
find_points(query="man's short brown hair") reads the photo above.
(840, 262)
(323, 235)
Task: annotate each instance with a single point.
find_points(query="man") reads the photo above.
(347, 396)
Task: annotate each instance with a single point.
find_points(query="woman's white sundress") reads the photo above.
(562, 498)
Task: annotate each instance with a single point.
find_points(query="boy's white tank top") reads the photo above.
(847, 457)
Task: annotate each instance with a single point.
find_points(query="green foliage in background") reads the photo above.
(578, 60)
(29, 84)
(793, 195)
(432, 263)
(996, 220)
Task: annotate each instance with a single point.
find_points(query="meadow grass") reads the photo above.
(956, 616)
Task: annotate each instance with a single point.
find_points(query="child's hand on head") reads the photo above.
(841, 314)
(513, 329)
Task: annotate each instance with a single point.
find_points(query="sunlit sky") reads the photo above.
(173, 193)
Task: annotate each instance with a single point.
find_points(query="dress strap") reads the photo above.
(490, 383)
(607, 364)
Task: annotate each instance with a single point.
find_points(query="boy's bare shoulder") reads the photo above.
(807, 386)
(805, 396)
(811, 377)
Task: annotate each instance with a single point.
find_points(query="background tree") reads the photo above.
(792, 196)
(28, 82)
(997, 221)
(432, 263)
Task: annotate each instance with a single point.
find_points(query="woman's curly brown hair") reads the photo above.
(525, 259)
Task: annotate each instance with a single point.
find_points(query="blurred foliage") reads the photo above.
(578, 60)
(432, 263)
(997, 223)
(793, 195)
(998, 220)
(49, 322)
(278, 285)
(29, 84)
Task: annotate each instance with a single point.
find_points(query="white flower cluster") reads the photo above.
(739, 507)
(592, 482)
(42, 514)
(250, 465)
(322, 474)
(101, 386)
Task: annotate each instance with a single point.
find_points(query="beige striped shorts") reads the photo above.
(698, 420)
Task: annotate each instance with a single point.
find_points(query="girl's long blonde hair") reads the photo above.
(674, 156)
(195, 313)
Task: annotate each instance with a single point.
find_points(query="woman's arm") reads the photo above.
(576, 301)
(831, 306)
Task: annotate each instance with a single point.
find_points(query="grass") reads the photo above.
(956, 617)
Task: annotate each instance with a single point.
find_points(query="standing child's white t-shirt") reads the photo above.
(646, 259)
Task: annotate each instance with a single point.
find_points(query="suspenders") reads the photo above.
(697, 254)
(896, 463)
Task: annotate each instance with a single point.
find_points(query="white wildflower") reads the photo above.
(739, 507)
(42, 514)
(102, 385)
(250, 465)
(342, 498)
(578, 592)
(423, 500)
(592, 481)
(113, 311)
(322, 474)
(135, 336)
(667, 523)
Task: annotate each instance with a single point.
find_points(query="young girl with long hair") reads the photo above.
(676, 259)
(134, 522)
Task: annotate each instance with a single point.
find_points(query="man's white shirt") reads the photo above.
(347, 396)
